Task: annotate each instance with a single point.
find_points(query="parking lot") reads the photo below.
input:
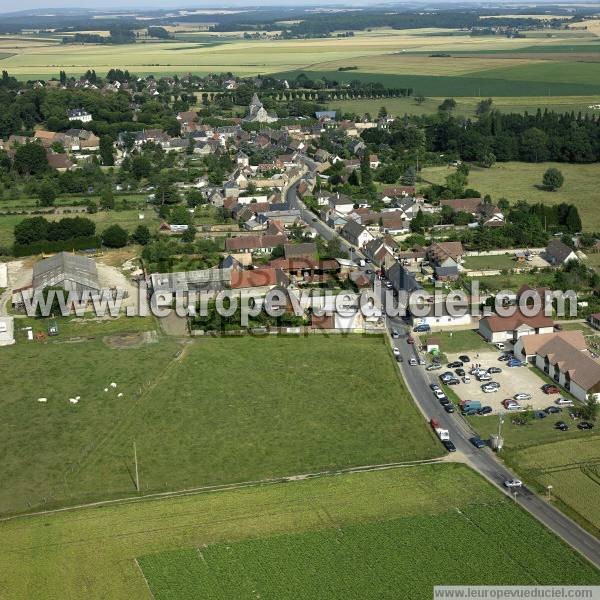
(512, 380)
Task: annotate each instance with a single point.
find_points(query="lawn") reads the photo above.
(128, 219)
(222, 411)
(92, 553)
(462, 341)
(519, 181)
(513, 281)
(482, 263)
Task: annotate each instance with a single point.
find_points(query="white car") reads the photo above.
(500, 346)
(412, 362)
(396, 351)
(439, 394)
(564, 402)
(513, 483)
(466, 379)
(489, 389)
(522, 396)
(484, 376)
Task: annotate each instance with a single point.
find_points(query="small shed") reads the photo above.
(432, 345)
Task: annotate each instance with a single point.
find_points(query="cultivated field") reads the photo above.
(520, 181)
(92, 553)
(212, 412)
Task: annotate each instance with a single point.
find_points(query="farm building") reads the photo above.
(68, 271)
(168, 284)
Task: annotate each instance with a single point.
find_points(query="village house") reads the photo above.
(356, 234)
(260, 244)
(79, 114)
(496, 328)
(558, 253)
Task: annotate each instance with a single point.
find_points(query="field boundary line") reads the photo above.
(137, 564)
(231, 486)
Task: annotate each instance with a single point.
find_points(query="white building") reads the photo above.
(79, 114)
(7, 331)
(496, 328)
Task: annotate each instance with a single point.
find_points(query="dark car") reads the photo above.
(477, 442)
(561, 425)
(493, 370)
(452, 382)
(464, 358)
(422, 328)
(444, 401)
(549, 388)
(460, 372)
(552, 410)
(449, 408)
(449, 446)
(399, 358)
(484, 410)
(455, 364)
(539, 414)
(585, 425)
(434, 386)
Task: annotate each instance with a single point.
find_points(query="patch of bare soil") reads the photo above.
(130, 340)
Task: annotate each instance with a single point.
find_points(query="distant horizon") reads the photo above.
(141, 5)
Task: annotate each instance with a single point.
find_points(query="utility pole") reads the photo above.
(137, 475)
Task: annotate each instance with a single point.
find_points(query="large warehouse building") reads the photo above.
(68, 271)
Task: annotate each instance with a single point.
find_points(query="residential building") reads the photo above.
(558, 253)
(356, 234)
(496, 328)
(79, 114)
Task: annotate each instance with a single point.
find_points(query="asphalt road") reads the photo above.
(484, 461)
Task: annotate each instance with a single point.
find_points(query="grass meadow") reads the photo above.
(97, 552)
(214, 411)
(519, 181)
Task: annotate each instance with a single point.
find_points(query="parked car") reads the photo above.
(464, 358)
(484, 410)
(477, 442)
(550, 410)
(399, 358)
(421, 361)
(513, 483)
(585, 425)
(446, 376)
(550, 388)
(460, 372)
(484, 376)
(449, 446)
(449, 408)
(500, 346)
(494, 370)
(522, 396)
(422, 328)
(444, 401)
(561, 425)
(466, 379)
(396, 351)
(434, 367)
(413, 362)
(453, 381)
(454, 364)
(488, 389)
(434, 386)
(510, 404)
(514, 362)
(395, 334)
(564, 402)
(439, 394)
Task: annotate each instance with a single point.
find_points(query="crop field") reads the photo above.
(369, 560)
(520, 181)
(214, 411)
(92, 552)
(466, 106)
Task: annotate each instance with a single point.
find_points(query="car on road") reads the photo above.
(561, 425)
(413, 362)
(513, 483)
(552, 410)
(522, 396)
(449, 446)
(396, 351)
(449, 408)
(433, 367)
(477, 442)
(494, 370)
(564, 402)
(585, 425)
(439, 394)
(550, 388)
(454, 364)
(395, 334)
(464, 358)
(488, 389)
(484, 410)
(421, 361)
(444, 401)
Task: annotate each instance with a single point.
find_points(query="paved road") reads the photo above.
(484, 460)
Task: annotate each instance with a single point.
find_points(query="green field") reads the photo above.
(92, 552)
(462, 341)
(221, 411)
(500, 261)
(518, 181)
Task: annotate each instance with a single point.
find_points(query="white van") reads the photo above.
(564, 402)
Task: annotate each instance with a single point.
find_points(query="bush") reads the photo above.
(115, 237)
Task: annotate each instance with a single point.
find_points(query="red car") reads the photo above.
(548, 388)
(410, 340)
